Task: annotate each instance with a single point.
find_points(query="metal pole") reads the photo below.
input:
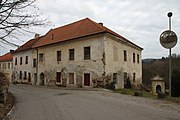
(169, 72)
(169, 59)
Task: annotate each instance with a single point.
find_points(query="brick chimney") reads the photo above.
(101, 23)
(11, 51)
(36, 35)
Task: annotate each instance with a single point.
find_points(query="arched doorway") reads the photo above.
(158, 88)
(42, 79)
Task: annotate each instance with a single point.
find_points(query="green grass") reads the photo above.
(132, 91)
(145, 94)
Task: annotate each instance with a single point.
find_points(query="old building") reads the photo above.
(24, 62)
(6, 65)
(80, 54)
(87, 54)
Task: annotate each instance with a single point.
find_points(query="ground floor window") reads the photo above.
(134, 77)
(71, 78)
(58, 77)
(87, 79)
(29, 77)
(20, 75)
(115, 78)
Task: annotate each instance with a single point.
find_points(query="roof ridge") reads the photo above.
(98, 25)
(68, 24)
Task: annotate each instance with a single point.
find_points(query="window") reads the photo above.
(34, 62)
(134, 77)
(125, 55)
(41, 57)
(29, 77)
(20, 75)
(58, 77)
(71, 54)
(125, 79)
(58, 55)
(137, 58)
(25, 75)
(87, 79)
(133, 57)
(15, 61)
(87, 53)
(115, 78)
(4, 65)
(9, 66)
(26, 61)
(20, 60)
(71, 78)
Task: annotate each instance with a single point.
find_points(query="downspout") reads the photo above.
(37, 65)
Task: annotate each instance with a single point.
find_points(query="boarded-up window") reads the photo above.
(87, 79)
(125, 55)
(71, 78)
(41, 57)
(58, 77)
(115, 53)
(71, 54)
(87, 53)
(58, 55)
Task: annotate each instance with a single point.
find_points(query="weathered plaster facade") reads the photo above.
(106, 59)
(49, 66)
(27, 70)
(6, 68)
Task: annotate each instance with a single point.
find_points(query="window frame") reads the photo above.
(125, 55)
(26, 60)
(134, 57)
(87, 53)
(58, 55)
(20, 60)
(71, 54)
(41, 57)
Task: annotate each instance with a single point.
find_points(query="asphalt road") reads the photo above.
(41, 103)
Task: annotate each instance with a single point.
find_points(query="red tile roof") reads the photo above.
(82, 28)
(28, 45)
(6, 57)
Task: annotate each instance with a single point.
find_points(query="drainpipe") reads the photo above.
(37, 66)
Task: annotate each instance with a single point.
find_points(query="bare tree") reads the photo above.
(16, 16)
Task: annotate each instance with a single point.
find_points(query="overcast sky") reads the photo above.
(140, 21)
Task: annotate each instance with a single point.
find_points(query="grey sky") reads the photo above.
(140, 21)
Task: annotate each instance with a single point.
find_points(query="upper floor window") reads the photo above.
(137, 58)
(26, 61)
(87, 53)
(125, 55)
(15, 61)
(41, 57)
(133, 57)
(20, 60)
(58, 55)
(9, 65)
(4, 65)
(34, 62)
(71, 54)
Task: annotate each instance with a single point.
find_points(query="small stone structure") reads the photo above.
(158, 84)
